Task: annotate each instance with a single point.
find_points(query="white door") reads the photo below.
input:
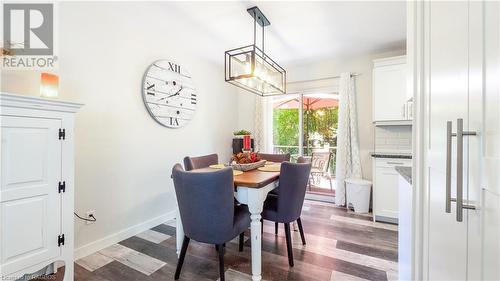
(386, 182)
(490, 182)
(449, 58)
(29, 198)
(463, 60)
(386, 189)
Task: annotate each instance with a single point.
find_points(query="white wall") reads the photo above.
(332, 67)
(123, 157)
(246, 110)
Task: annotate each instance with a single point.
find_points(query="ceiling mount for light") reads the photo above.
(250, 68)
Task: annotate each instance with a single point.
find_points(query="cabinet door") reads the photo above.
(490, 159)
(448, 56)
(389, 92)
(29, 198)
(386, 188)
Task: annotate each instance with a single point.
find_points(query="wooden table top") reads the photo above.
(252, 179)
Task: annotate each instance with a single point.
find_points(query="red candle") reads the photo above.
(246, 142)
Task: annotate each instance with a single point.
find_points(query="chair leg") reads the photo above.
(221, 261)
(261, 226)
(242, 238)
(289, 244)
(301, 230)
(185, 244)
(275, 228)
(217, 248)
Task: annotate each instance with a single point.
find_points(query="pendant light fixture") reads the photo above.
(250, 68)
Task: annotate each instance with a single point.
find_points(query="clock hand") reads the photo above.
(176, 94)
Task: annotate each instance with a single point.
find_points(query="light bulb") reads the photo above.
(248, 68)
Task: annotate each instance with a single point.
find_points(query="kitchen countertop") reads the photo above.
(390, 155)
(405, 172)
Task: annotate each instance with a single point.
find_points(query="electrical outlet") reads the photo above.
(90, 214)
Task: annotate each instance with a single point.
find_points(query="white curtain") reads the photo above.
(348, 163)
(260, 124)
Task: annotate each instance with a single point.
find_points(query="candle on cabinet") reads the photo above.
(49, 85)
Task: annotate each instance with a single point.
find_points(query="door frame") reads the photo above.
(417, 84)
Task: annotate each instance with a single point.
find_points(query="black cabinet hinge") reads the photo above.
(62, 134)
(62, 187)
(60, 240)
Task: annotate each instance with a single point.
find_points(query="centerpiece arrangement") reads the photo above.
(246, 161)
(242, 141)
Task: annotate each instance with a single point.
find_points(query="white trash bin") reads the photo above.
(358, 194)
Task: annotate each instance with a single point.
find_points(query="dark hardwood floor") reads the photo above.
(340, 246)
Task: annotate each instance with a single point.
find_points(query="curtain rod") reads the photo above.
(321, 79)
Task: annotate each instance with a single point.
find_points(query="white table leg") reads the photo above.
(179, 232)
(254, 198)
(255, 208)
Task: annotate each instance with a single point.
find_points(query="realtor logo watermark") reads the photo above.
(28, 36)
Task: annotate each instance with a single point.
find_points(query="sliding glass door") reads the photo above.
(306, 125)
(286, 125)
(319, 126)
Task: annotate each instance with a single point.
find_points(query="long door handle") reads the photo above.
(448, 166)
(460, 168)
(459, 199)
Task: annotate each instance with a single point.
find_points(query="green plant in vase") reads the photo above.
(241, 133)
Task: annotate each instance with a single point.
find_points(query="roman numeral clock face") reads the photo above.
(169, 93)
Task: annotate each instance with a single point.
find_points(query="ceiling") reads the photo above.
(300, 32)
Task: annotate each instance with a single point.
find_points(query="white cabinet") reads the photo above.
(36, 191)
(389, 89)
(385, 188)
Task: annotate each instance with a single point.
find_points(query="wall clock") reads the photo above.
(169, 93)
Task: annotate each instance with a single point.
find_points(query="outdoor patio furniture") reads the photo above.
(320, 167)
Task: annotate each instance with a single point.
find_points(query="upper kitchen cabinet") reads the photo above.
(390, 99)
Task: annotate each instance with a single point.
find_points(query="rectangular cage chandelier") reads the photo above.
(250, 68)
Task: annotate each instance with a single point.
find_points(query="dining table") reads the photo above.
(251, 188)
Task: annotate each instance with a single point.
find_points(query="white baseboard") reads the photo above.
(116, 237)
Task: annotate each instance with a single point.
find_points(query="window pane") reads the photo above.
(286, 124)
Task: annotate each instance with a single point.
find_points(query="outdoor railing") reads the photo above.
(294, 152)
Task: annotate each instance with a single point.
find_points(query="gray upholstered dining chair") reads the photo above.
(287, 205)
(277, 158)
(191, 163)
(207, 210)
(301, 159)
